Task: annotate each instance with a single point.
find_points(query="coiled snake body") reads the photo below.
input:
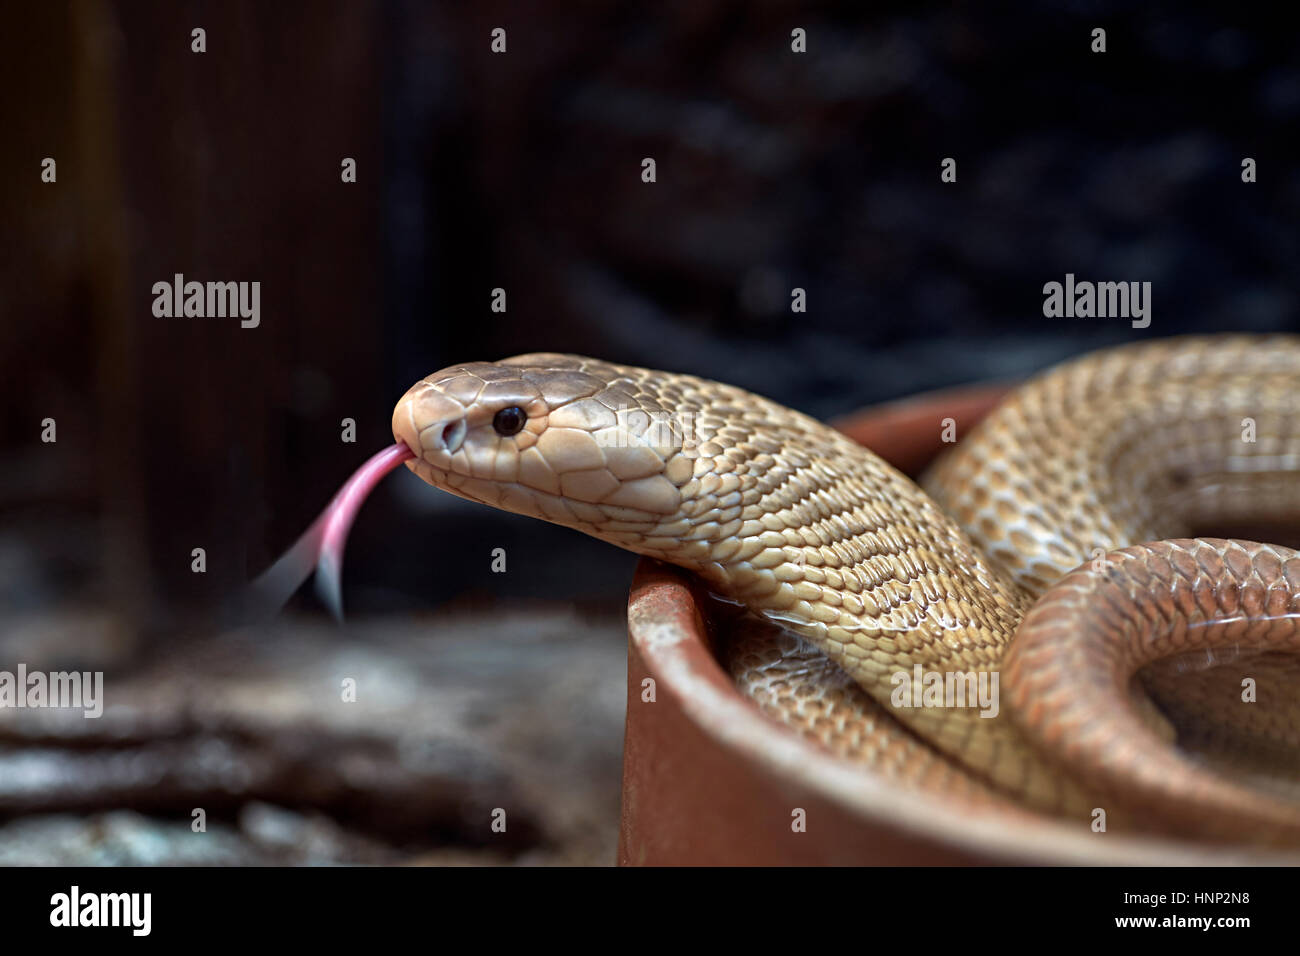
(1156, 681)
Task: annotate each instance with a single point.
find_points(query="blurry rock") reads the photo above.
(391, 739)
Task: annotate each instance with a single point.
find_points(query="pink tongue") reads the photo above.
(321, 545)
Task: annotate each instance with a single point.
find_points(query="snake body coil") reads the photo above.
(1120, 683)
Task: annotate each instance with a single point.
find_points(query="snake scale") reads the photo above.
(1138, 669)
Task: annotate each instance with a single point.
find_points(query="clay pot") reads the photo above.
(708, 779)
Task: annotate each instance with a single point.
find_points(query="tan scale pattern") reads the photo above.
(1097, 630)
(814, 533)
(797, 684)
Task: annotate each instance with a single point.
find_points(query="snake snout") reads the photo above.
(429, 422)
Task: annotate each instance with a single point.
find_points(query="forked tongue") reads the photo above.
(321, 546)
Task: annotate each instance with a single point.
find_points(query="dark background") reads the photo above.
(522, 171)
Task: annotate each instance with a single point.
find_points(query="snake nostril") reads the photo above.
(453, 434)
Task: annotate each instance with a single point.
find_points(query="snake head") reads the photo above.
(570, 440)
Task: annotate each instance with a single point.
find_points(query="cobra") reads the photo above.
(1050, 550)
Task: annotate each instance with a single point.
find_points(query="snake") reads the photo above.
(1043, 619)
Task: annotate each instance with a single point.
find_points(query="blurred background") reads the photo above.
(521, 170)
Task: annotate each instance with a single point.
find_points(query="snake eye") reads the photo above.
(509, 421)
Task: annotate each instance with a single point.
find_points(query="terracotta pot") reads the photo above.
(708, 779)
